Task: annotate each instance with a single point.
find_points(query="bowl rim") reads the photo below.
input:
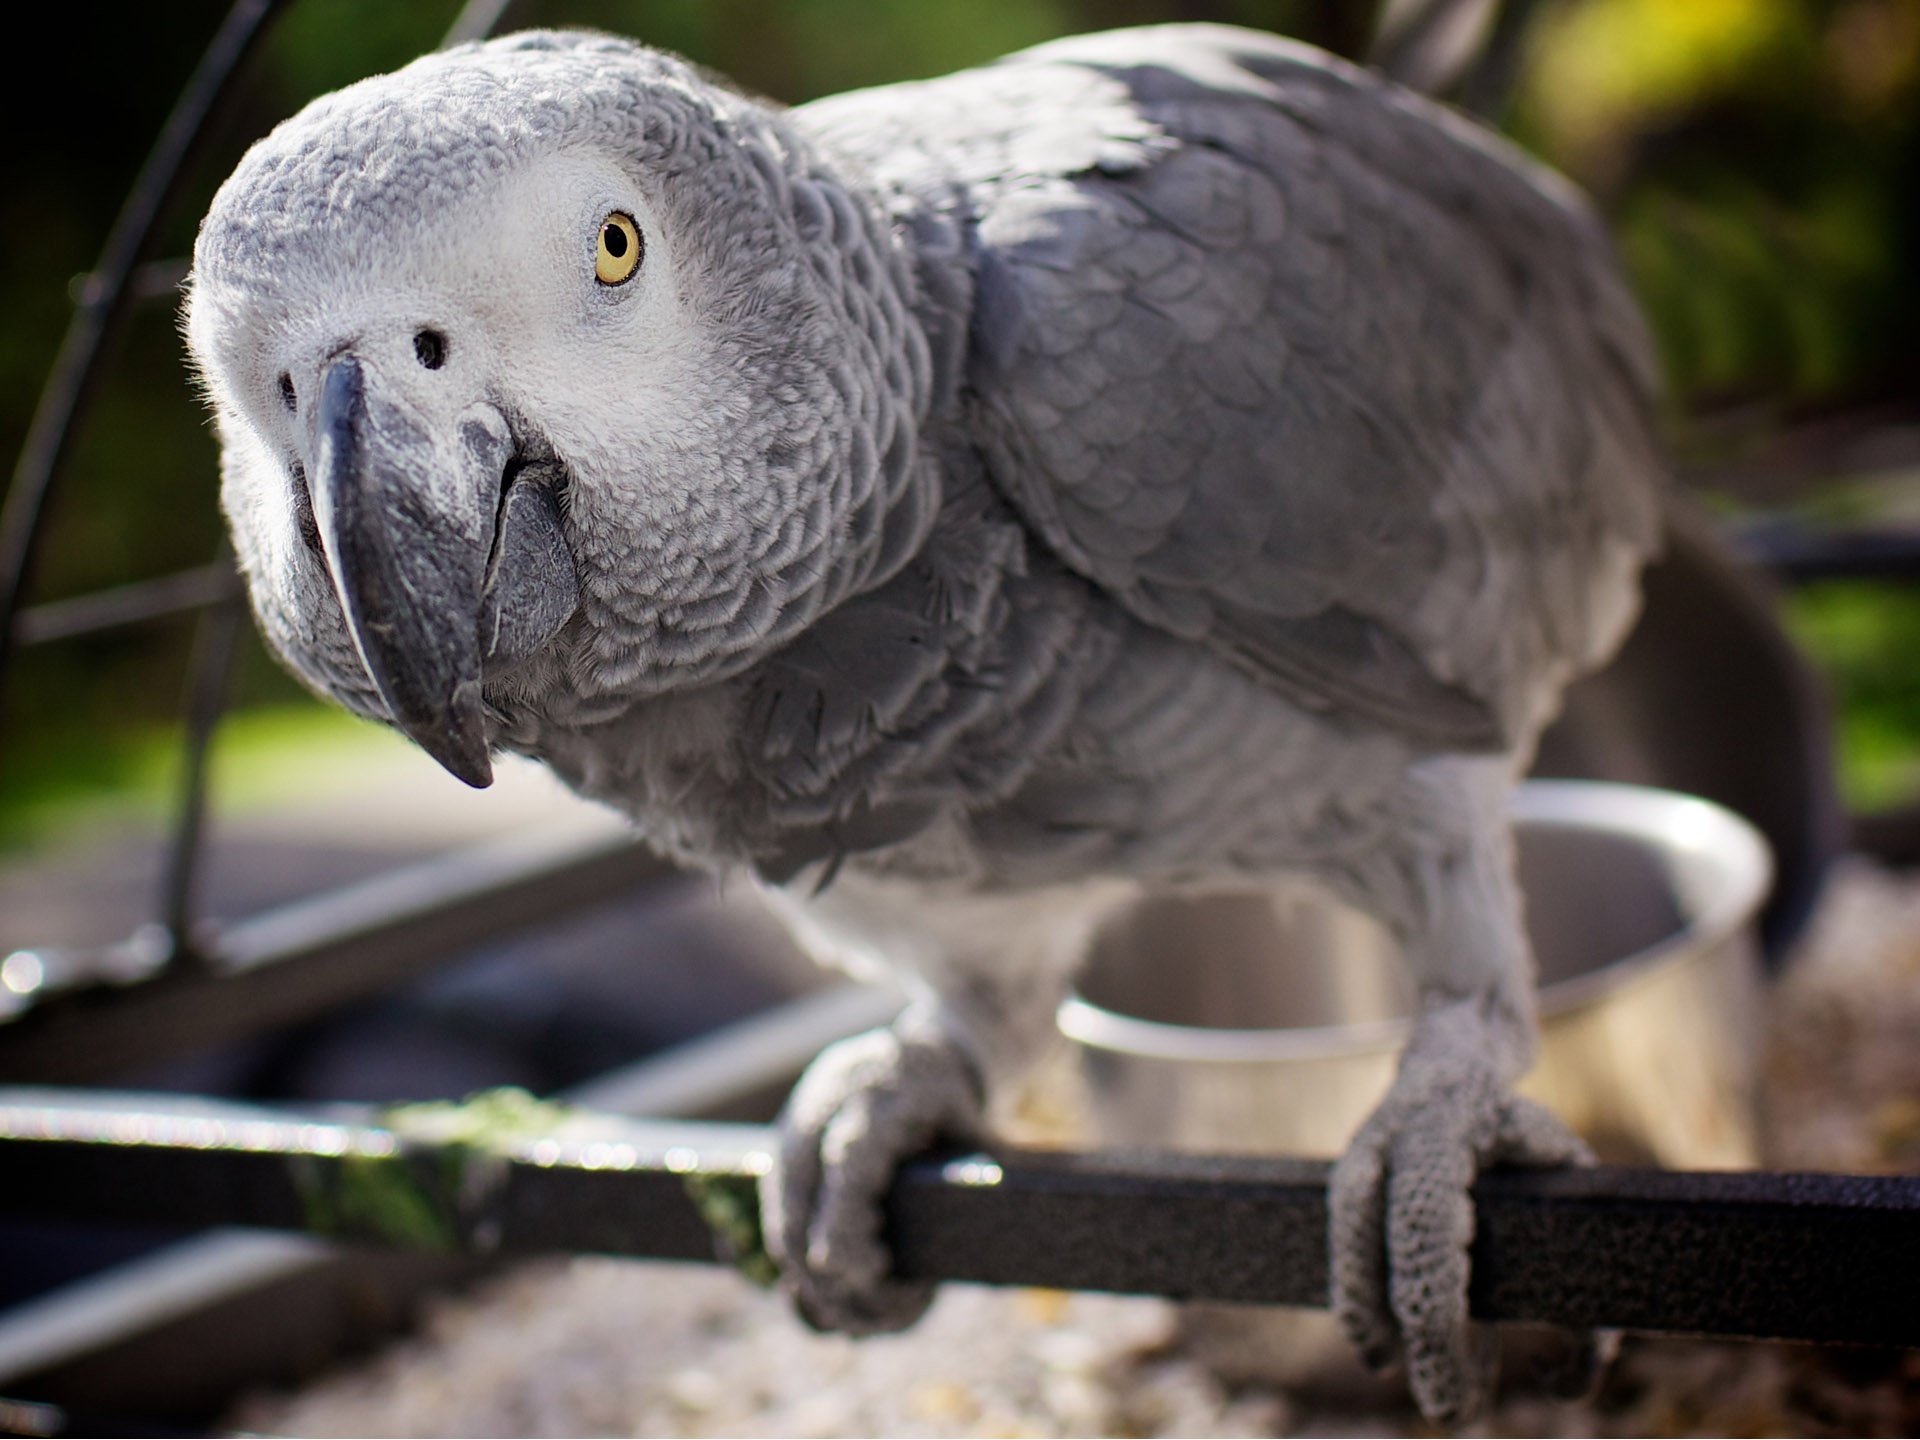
(1680, 828)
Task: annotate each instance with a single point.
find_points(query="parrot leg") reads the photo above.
(991, 972)
(1400, 1206)
(862, 1107)
(1402, 1214)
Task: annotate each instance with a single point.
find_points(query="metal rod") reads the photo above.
(1767, 463)
(114, 1305)
(476, 21)
(1806, 1257)
(1487, 87)
(83, 1024)
(76, 368)
(1429, 44)
(210, 677)
(1800, 555)
(755, 1059)
(124, 605)
(717, 1071)
(150, 280)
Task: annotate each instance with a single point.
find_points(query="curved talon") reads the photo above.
(863, 1106)
(1357, 1263)
(1401, 1214)
(1531, 1134)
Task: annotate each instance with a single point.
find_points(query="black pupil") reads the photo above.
(615, 239)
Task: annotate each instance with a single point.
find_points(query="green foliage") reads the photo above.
(393, 1199)
(55, 778)
(1602, 73)
(321, 45)
(1753, 292)
(1757, 159)
(485, 1123)
(795, 50)
(730, 1205)
(434, 1188)
(1866, 638)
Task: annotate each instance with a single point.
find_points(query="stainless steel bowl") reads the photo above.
(1708, 696)
(1270, 1022)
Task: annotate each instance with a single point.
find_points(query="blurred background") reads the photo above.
(1757, 159)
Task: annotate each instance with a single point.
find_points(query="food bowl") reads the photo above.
(1270, 1022)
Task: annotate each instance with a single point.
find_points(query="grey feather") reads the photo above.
(1158, 458)
(1366, 277)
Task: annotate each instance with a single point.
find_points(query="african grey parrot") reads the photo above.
(1165, 458)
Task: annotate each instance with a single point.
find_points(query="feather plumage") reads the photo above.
(1158, 458)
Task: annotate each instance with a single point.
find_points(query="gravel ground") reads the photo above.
(601, 1347)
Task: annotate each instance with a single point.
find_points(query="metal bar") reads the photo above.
(476, 21)
(1773, 464)
(1468, 50)
(1806, 1257)
(101, 1310)
(211, 675)
(302, 960)
(757, 1057)
(741, 1062)
(76, 368)
(1487, 87)
(1748, 1256)
(125, 605)
(1800, 555)
(150, 280)
(1428, 45)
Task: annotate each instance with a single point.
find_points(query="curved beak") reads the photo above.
(410, 517)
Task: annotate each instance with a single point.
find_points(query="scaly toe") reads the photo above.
(1356, 1263)
(862, 1107)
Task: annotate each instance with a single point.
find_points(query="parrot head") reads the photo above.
(548, 376)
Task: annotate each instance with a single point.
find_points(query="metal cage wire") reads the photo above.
(124, 276)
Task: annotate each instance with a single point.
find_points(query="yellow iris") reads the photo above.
(620, 248)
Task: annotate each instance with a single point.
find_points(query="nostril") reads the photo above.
(430, 348)
(287, 396)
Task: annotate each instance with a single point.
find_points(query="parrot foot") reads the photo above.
(1402, 1215)
(863, 1106)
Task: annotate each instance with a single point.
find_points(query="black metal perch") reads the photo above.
(1806, 1257)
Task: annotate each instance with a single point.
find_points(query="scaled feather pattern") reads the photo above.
(1166, 458)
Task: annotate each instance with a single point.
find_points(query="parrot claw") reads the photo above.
(1402, 1213)
(863, 1106)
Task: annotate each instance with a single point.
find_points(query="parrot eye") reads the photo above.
(621, 247)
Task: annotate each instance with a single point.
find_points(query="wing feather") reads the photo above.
(1297, 366)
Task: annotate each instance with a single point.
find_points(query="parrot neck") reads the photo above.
(789, 473)
(890, 719)
(870, 705)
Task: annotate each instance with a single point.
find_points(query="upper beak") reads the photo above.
(409, 519)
